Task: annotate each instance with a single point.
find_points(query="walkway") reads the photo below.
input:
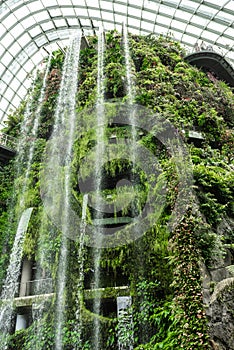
(213, 62)
(8, 146)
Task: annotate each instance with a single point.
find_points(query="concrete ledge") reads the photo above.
(110, 292)
(29, 300)
(104, 293)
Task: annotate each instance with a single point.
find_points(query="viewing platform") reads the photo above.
(213, 62)
(8, 147)
(41, 290)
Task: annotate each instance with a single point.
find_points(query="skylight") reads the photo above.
(28, 26)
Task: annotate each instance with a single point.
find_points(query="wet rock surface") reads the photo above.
(218, 296)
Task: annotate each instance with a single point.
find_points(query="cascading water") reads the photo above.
(34, 131)
(63, 96)
(68, 119)
(54, 157)
(130, 91)
(125, 323)
(25, 155)
(58, 167)
(38, 309)
(25, 129)
(126, 319)
(129, 81)
(10, 285)
(42, 285)
(57, 171)
(130, 95)
(80, 285)
(100, 148)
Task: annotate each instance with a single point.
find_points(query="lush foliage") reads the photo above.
(161, 268)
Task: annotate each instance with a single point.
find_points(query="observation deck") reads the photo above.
(213, 62)
(8, 146)
(41, 290)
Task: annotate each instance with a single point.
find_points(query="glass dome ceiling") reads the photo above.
(31, 29)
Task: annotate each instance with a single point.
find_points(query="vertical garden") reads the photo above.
(162, 268)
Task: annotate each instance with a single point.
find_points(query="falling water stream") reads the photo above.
(25, 129)
(69, 89)
(59, 165)
(130, 91)
(24, 155)
(125, 322)
(129, 81)
(130, 95)
(64, 88)
(34, 131)
(80, 285)
(10, 285)
(100, 148)
(38, 311)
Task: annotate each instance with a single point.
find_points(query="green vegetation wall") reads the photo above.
(166, 286)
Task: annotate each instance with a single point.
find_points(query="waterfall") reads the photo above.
(25, 130)
(130, 94)
(43, 285)
(100, 148)
(38, 310)
(33, 133)
(10, 285)
(64, 92)
(25, 154)
(129, 81)
(80, 286)
(29, 128)
(59, 171)
(68, 119)
(125, 323)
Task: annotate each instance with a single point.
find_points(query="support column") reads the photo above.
(25, 278)
(125, 323)
(21, 322)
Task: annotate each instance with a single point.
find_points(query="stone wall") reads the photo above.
(218, 296)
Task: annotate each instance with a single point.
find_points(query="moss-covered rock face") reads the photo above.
(160, 270)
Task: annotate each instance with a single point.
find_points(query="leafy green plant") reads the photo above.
(161, 269)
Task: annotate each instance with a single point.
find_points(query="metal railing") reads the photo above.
(8, 141)
(211, 48)
(35, 287)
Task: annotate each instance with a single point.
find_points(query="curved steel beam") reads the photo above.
(211, 61)
(26, 26)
